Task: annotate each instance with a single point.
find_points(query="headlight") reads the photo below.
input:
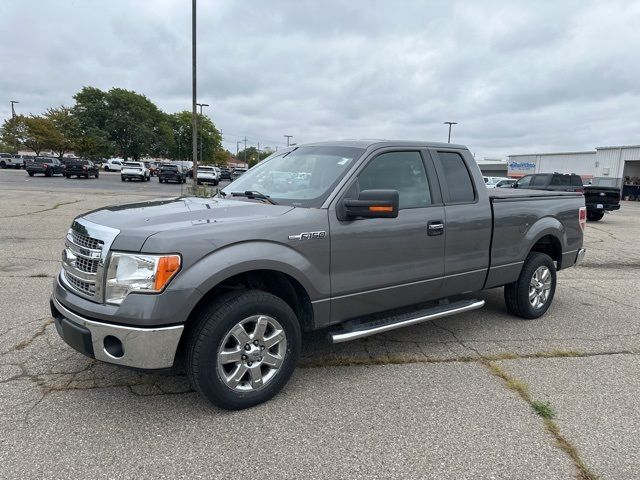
(132, 272)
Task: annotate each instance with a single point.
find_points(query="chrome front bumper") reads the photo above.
(580, 256)
(147, 348)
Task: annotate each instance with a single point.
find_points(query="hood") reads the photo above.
(138, 221)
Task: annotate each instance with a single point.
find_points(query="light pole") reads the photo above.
(449, 123)
(13, 110)
(194, 112)
(288, 137)
(201, 105)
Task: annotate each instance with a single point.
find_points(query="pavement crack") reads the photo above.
(461, 342)
(56, 206)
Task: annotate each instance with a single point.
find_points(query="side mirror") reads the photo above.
(515, 185)
(373, 204)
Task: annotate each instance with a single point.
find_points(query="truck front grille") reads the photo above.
(81, 262)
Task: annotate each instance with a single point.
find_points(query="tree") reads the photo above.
(33, 132)
(66, 129)
(252, 156)
(222, 157)
(181, 125)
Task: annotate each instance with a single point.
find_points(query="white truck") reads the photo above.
(113, 165)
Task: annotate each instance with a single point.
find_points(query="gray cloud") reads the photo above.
(518, 76)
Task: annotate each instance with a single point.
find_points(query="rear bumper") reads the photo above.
(603, 206)
(146, 348)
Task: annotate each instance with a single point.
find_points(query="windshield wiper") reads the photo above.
(252, 194)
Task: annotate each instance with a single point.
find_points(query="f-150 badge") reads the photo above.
(308, 235)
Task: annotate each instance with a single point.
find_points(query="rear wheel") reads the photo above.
(159, 180)
(68, 176)
(594, 216)
(97, 174)
(122, 178)
(30, 174)
(3, 164)
(47, 173)
(243, 349)
(531, 295)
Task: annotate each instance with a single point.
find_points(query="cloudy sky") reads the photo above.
(518, 76)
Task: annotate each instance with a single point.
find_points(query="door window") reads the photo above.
(540, 180)
(524, 181)
(401, 171)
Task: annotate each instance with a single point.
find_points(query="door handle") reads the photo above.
(435, 228)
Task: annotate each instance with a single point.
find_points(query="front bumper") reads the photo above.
(146, 348)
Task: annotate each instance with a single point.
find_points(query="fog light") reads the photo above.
(113, 346)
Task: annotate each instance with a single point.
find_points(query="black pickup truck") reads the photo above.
(171, 173)
(598, 199)
(81, 168)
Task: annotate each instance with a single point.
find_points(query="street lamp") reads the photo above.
(13, 110)
(288, 137)
(449, 123)
(201, 105)
(194, 112)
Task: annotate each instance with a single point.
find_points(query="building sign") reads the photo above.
(521, 168)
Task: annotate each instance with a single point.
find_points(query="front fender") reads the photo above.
(242, 257)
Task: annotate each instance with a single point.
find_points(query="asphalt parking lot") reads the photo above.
(448, 399)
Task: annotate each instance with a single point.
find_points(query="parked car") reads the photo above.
(135, 170)
(597, 199)
(382, 235)
(207, 174)
(237, 172)
(492, 182)
(171, 173)
(49, 166)
(113, 165)
(81, 168)
(506, 183)
(225, 174)
(153, 168)
(8, 160)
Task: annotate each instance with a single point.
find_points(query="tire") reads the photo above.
(106, 168)
(86, 176)
(68, 176)
(122, 178)
(3, 165)
(48, 173)
(97, 174)
(594, 216)
(516, 295)
(216, 323)
(159, 180)
(30, 174)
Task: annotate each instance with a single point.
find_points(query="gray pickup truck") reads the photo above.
(356, 237)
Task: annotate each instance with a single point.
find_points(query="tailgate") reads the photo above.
(608, 195)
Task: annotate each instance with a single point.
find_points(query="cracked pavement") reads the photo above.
(413, 403)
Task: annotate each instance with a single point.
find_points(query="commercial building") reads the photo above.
(610, 166)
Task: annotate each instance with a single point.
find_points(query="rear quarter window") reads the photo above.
(457, 178)
(540, 180)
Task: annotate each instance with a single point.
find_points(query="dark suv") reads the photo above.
(81, 168)
(171, 173)
(597, 199)
(47, 165)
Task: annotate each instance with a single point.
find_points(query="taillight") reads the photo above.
(46, 165)
(582, 217)
(580, 190)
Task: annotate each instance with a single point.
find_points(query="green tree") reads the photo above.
(33, 132)
(91, 113)
(181, 124)
(66, 129)
(222, 156)
(252, 156)
(14, 132)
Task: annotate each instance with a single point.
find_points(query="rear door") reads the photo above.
(380, 264)
(468, 221)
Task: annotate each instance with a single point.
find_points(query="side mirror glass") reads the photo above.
(373, 204)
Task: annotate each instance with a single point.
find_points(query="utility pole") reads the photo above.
(449, 123)
(238, 148)
(201, 151)
(288, 137)
(245, 149)
(194, 112)
(258, 151)
(13, 110)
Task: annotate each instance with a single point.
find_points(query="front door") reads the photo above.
(380, 264)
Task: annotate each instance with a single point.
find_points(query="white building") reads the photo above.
(609, 165)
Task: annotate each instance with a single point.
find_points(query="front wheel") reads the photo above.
(594, 216)
(30, 174)
(68, 176)
(97, 174)
(531, 295)
(243, 349)
(122, 178)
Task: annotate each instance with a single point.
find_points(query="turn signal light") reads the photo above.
(380, 209)
(582, 217)
(167, 268)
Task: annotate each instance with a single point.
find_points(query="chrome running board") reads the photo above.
(353, 330)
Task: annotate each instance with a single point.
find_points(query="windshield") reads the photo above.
(303, 177)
